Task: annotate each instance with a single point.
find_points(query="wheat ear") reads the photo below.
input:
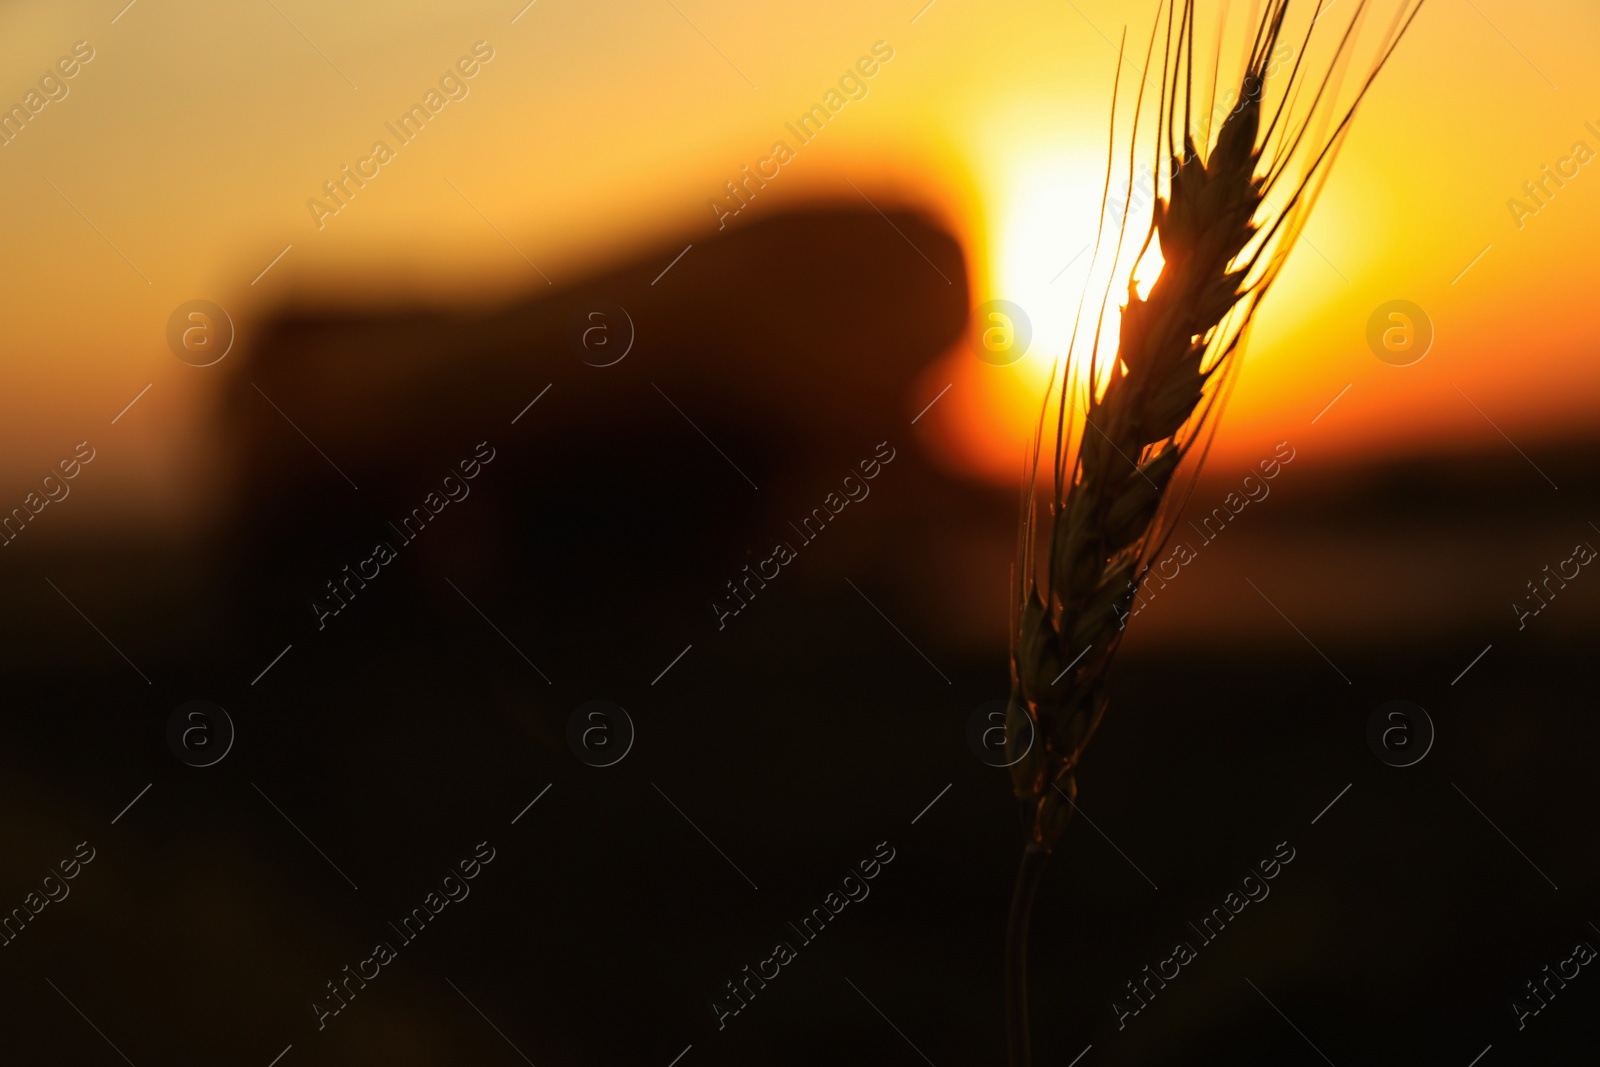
(1121, 435)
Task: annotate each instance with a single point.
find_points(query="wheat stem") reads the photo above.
(1030, 872)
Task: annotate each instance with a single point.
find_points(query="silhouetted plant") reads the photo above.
(1121, 431)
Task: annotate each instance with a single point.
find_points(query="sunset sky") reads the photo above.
(180, 160)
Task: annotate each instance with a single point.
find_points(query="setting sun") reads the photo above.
(1039, 253)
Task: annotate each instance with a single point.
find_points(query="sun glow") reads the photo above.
(1040, 253)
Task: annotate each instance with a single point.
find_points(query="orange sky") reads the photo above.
(193, 139)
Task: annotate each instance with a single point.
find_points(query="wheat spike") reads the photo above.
(1223, 240)
(1224, 231)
